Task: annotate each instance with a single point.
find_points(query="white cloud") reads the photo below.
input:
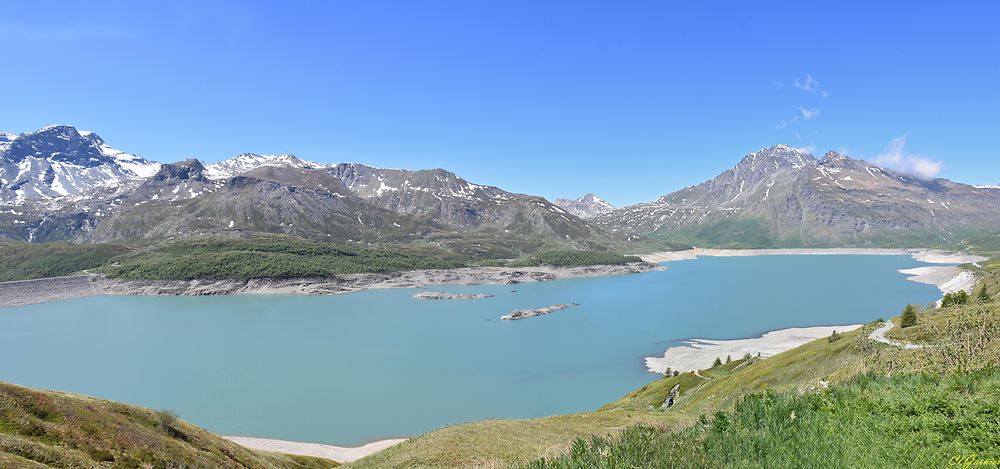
(825, 94)
(809, 114)
(808, 83)
(896, 158)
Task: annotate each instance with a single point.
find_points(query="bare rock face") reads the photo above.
(784, 196)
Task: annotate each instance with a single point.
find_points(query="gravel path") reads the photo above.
(878, 335)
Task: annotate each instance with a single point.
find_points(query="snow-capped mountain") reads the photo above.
(247, 162)
(588, 206)
(991, 186)
(785, 196)
(60, 163)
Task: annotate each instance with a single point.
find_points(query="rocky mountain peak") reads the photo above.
(190, 169)
(587, 206)
(61, 143)
(777, 156)
(246, 162)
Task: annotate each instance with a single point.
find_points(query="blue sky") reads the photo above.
(629, 100)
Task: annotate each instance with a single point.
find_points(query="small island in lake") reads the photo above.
(530, 313)
(438, 295)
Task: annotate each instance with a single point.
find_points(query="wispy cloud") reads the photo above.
(808, 83)
(785, 123)
(809, 114)
(896, 158)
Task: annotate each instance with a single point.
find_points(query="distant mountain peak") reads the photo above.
(586, 206)
(61, 162)
(246, 162)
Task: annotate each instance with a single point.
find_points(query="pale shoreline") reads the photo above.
(931, 256)
(25, 292)
(698, 354)
(339, 454)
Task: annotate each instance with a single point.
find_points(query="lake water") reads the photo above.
(353, 368)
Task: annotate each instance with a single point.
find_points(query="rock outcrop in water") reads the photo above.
(530, 313)
(440, 295)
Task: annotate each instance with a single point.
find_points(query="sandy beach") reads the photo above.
(698, 354)
(924, 255)
(335, 453)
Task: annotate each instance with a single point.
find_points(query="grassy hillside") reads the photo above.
(903, 420)
(566, 258)
(21, 261)
(54, 429)
(265, 257)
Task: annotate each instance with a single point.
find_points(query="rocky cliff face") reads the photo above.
(785, 196)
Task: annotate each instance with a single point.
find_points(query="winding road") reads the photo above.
(878, 335)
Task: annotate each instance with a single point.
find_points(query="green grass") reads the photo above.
(283, 257)
(55, 429)
(22, 261)
(568, 258)
(498, 443)
(906, 420)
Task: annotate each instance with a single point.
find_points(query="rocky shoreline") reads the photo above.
(51, 289)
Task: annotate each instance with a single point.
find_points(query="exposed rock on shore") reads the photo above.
(25, 292)
(530, 313)
(37, 291)
(440, 295)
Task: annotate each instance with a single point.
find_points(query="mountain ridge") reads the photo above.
(784, 196)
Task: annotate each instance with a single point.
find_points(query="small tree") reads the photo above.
(676, 373)
(668, 373)
(834, 336)
(984, 296)
(909, 316)
(717, 362)
(960, 297)
(729, 358)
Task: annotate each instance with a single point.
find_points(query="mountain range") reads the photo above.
(63, 184)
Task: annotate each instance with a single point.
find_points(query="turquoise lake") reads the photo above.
(358, 367)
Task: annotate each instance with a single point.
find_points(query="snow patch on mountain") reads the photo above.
(59, 164)
(247, 162)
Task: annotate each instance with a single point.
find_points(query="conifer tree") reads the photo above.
(909, 316)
